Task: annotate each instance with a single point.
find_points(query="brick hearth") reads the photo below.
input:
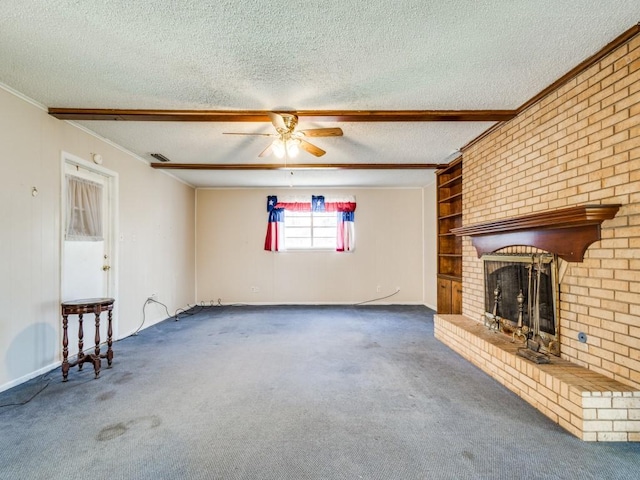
(591, 406)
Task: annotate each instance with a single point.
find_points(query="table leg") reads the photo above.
(80, 342)
(109, 340)
(96, 360)
(97, 339)
(97, 364)
(65, 348)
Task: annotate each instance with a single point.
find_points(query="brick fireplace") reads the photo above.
(576, 145)
(590, 405)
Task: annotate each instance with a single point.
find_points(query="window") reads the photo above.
(84, 210)
(310, 223)
(310, 230)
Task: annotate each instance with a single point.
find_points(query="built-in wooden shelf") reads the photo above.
(452, 197)
(452, 181)
(449, 212)
(451, 215)
(567, 232)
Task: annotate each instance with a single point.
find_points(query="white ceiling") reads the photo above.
(298, 55)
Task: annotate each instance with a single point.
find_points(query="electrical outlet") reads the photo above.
(378, 288)
(255, 289)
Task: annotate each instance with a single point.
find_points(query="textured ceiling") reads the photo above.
(253, 55)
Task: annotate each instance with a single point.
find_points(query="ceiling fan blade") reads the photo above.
(257, 134)
(321, 132)
(284, 122)
(277, 120)
(312, 149)
(267, 151)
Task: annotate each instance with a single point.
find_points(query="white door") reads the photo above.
(87, 266)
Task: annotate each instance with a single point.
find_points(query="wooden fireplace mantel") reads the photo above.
(567, 232)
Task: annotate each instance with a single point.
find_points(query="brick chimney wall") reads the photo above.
(578, 145)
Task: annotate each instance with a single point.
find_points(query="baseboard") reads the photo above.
(346, 304)
(29, 376)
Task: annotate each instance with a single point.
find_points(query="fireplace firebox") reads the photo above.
(521, 298)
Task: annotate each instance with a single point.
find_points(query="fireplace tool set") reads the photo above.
(492, 320)
(531, 333)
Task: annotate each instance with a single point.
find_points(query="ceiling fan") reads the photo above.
(288, 141)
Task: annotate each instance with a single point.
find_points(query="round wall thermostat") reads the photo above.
(97, 158)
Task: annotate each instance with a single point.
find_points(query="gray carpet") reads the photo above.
(290, 393)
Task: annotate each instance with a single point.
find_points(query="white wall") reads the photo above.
(160, 243)
(231, 227)
(154, 209)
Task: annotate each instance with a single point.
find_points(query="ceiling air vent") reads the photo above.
(160, 157)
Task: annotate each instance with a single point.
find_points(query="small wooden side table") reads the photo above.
(80, 307)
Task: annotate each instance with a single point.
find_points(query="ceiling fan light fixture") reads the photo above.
(278, 148)
(288, 142)
(293, 147)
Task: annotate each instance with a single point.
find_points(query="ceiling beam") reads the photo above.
(298, 166)
(263, 115)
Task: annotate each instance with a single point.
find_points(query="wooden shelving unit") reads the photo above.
(449, 213)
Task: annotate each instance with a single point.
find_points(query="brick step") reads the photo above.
(591, 406)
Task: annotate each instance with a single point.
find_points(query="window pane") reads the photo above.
(297, 221)
(324, 242)
(325, 220)
(325, 232)
(297, 232)
(298, 243)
